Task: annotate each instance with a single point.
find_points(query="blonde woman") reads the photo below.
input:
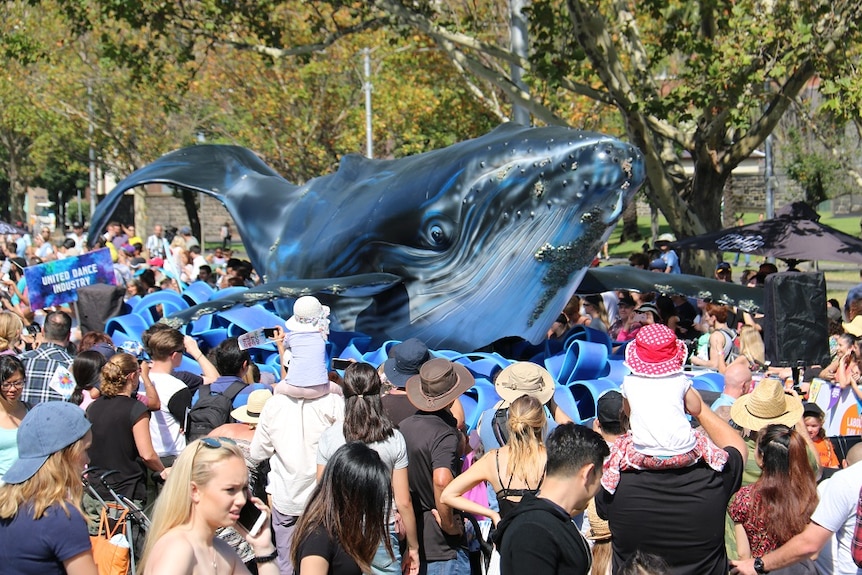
(40, 503)
(514, 470)
(206, 490)
(594, 306)
(11, 327)
(242, 433)
(751, 346)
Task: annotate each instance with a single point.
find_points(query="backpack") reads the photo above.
(211, 410)
(500, 427)
(731, 350)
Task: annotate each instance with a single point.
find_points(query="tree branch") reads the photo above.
(326, 42)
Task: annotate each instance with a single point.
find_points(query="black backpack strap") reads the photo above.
(499, 425)
(233, 390)
(205, 391)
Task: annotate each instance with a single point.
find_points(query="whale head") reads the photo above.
(491, 236)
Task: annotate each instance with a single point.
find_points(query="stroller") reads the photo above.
(123, 515)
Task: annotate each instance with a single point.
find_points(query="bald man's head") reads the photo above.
(737, 376)
(854, 454)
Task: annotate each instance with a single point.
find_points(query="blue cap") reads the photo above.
(46, 429)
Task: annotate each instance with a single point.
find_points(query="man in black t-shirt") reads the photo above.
(539, 537)
(433, 451)
(678, 514)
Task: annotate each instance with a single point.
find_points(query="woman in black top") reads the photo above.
(347, 515)
(121, 431)
(514, 470)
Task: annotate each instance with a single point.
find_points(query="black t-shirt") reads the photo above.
(319, 543)
(397, 407)
(192, 381)
(539, 538)
(113, 446)
(677, 514)
(432, 443)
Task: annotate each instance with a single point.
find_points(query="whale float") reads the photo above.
(459, 247)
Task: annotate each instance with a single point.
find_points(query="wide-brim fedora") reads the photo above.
(438, 383)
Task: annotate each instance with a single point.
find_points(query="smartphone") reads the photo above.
(251, 518)
(269, 332)
(340, 363)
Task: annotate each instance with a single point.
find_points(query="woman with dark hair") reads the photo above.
(13, 410)
(346, 517)
(366, 421)
(846, 343)
(87, 370)
(778, 506)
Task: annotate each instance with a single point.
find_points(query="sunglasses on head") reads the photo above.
(216, 442)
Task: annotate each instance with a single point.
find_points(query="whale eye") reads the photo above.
(437, 234)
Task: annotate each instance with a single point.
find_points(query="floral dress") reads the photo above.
(741, 511)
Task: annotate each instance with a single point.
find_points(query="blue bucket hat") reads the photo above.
(45, 430)
(407, 357)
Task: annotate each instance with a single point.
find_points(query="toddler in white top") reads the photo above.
(660, 435)
(303, 351)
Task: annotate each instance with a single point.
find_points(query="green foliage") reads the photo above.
(818, 174)
(77, 211)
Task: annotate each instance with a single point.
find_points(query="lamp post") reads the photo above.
(367, 88)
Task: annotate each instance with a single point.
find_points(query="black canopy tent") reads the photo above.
(794, 234)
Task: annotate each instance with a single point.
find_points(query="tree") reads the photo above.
(708, 79)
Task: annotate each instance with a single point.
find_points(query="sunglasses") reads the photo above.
(216, 442)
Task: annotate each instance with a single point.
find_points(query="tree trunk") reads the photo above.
(705, 201)
(190, 201)
(631, 232)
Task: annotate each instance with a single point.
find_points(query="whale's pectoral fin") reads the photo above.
(357, 286)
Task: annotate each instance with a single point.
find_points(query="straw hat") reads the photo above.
(524, 378)
(250, 412)
(765, 405)
(854, 327)
(438, 384)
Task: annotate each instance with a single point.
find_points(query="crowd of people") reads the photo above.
(169, 258)
(373, 469)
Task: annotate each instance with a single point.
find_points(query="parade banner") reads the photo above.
(841, 408)
(57, 282)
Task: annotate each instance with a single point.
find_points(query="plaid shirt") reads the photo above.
(40, 364)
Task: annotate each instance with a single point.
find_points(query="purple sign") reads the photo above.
(57, 282)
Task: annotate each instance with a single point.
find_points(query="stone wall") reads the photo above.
(161, 207)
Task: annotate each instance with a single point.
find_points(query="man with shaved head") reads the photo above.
(737, 379)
